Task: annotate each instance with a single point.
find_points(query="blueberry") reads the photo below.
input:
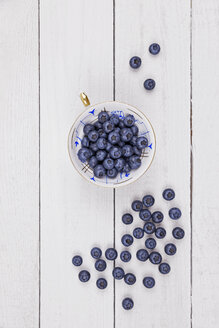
(148, 201)
(126, 134)
(117, 129)
(157, 217)
(85, 141)
(138, 233)
(127, 218)
(108, 163)
(127, 240)
(145, 214)
(98, 125)
(142, 255)
(137, 151)
(125, 256)
(142, 142)
(99, 171)
(149, 84)
(114, 118)
(102, 133)
(164, 268)
(93, 135)
(126, 168)
(111, 254)
(115, 152)
(103, 117)
(178, 233)
(108, 126)
(93, 162)
(101, 283)
(119, 164)
(160, 233)
(108, 146)
(129, 120)
(121, 124)
(137, 205)
(155, 258)
(100, 265)
(135, 130)
(154, 49)
(84, 276)
(129, 278)
(77, 260)
(127, 151)
(100, 155)
(150, 243)
(134, 162)
(133, 140)
(170, 249)
(87, 128)
(84, 154)
(168, 194)
(148, 282)
(149, 227)
(101, 143)
(127, 303)
(118, 273)
(96, 253)
(112, 173)
(175, 213)
(93, 146)
(135, 62)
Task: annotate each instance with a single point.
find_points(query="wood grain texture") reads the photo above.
(76, 55)
(205, 102)
(19, 169)
(138, 24)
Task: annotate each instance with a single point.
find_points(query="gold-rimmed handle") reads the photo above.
(84, 99)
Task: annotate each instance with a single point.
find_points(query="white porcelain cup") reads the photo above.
(90, 115)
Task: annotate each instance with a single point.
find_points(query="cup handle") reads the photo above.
(84, 99)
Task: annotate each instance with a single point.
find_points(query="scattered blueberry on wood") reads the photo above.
(150, 243)
(118, 273)
(111, 254)
(125, 256)
(130, 279)
(84, 276)
(138, 233)
(149, 227)
(96, 253)
(100, 265)
(164, 268)
(142, 255)
(149, 84)
(135, 62)
(77, 260)
(127, 218)
(155, 258)
(178, 233)
(127, 240)
(101, 283)
(154, 48)
(160, 233)
(168, 194)
(170, 249)
(175, 213)
(149, 282)
(127, 303)
(157, 217)
(148, 201)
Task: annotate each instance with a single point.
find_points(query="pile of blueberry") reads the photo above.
(135, 62)
(148, 253)
(112, 145)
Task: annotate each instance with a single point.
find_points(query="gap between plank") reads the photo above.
(114, 190)
(39, 108)
(191, 171)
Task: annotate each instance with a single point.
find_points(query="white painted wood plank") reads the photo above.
(205, 164)
(19, 169)
(76, 55)
(138, 24)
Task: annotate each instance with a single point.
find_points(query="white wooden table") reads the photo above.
(50, 51)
